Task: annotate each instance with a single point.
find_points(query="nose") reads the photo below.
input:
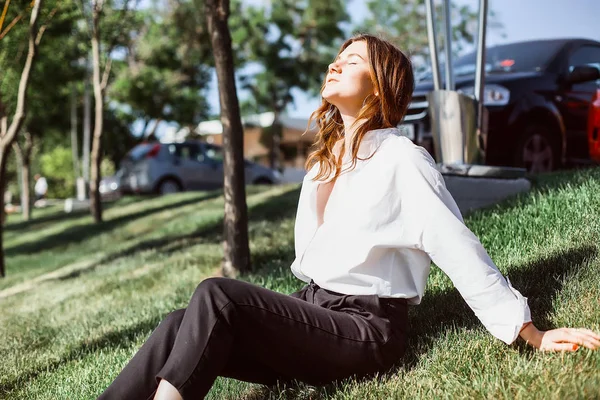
(334, 66)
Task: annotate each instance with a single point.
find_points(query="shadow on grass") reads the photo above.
(539, 280)
(79, 233)
(275, 208)
(112, 340)
(58, 216)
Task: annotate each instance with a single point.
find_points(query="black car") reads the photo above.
(538, 95)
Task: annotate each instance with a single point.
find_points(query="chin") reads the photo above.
(330, 98)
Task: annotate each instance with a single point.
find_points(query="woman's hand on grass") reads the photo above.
(561, 339)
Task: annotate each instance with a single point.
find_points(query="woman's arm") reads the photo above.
(562, 339)
(441, 232)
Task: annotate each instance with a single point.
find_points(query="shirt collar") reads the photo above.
(368, 145)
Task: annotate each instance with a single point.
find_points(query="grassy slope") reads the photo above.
(68, 337)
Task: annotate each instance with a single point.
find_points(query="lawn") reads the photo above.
(79, 298)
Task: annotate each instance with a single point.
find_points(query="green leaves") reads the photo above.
(167, 67)
(293, 42)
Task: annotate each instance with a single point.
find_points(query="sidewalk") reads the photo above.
(472, 193)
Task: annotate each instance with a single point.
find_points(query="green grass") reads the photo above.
(79, 298)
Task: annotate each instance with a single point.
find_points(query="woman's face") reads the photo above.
(348, 80)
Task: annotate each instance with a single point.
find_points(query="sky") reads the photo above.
(522, 20)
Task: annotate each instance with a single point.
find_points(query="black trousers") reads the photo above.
(235, 329)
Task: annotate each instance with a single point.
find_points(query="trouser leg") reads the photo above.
(236, 329)
(138, 378)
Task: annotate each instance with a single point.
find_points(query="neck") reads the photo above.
(350, 128)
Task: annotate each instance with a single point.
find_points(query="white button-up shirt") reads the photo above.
(385, 221)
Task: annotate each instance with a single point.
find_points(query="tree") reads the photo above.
(48, 93)
(23, 154)
(9, 132)
(236, 248)
(405, 23)
(168, 68)
(100, 77)
(294, 42)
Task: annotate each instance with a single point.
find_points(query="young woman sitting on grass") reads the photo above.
(373, 213)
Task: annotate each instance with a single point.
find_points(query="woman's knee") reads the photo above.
(173, 319)
(212, 285)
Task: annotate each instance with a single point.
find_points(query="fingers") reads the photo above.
(569, 339)
(585, 337)
(559, 347)
(590, 332)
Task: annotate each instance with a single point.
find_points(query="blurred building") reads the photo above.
(295, 142)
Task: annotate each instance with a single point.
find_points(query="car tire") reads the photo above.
(262, 181)
(538, 150)
(168, 186)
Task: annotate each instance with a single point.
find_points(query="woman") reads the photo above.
(373, 213)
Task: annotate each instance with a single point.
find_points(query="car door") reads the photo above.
(186, 165)
(212, 156)
(577, 100)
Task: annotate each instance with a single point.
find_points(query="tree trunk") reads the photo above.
(276, 133)
(8, 134)
(24, 161)
(236, 249)
(85, 150)
(96, 156)
(74, 145)
(3, 157)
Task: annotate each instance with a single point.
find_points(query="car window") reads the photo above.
(139, 151)
(214, 153)
(184, 151)
(586, 55)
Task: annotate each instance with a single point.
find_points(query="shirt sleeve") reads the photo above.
(435, 221)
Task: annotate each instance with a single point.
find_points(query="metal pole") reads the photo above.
(480, 69)
(448, 47)
(433, 48)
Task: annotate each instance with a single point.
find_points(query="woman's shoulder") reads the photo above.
(401, 150)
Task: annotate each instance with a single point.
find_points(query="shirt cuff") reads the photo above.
(505, 320)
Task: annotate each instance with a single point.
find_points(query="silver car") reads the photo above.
(173, 167)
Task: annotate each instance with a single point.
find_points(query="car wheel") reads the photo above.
(169, 186)
(262, 181)
(538, 150)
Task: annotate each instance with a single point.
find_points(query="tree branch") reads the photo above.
(4, 13)
(3, 125)
(9, 26)
(113, 43)
(44, 27)
(106, 74)
(19, 117)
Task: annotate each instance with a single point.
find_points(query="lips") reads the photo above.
(331, 80)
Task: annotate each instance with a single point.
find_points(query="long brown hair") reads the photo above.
(392, 77)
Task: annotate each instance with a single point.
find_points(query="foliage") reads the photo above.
(107, 167)
(168, 67)
(293, 42)
(57, 166)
